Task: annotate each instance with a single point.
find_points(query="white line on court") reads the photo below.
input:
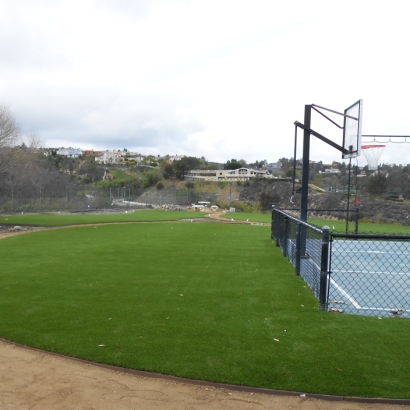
(344, 293)
(364, 272)
(382, 309)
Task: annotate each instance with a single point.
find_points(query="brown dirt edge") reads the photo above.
(230, 387)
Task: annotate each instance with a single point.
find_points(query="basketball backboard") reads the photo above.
(352, 129)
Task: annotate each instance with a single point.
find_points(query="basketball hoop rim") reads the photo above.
(373, 146)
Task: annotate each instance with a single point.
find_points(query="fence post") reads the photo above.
(275, 226)
(271, 224)
(297, 253)
(324, 269)
(356, 221)
(285, 237)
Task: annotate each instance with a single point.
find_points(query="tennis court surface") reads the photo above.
(370, 277)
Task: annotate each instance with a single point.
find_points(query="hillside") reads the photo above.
(260, 195)
(374, 209)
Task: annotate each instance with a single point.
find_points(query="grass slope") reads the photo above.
(79, 219)
(207, 301)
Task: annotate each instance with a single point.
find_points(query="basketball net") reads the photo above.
(372, 154)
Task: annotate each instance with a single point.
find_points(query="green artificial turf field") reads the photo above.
(207, 301)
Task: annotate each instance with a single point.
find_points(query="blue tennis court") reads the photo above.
(370, 277)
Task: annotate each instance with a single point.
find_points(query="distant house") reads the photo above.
(91, 153)
(69, 152)
(109, 157)
(176, 157)
(240, 174)
(330, 171)
(274, 167)
(204, 174)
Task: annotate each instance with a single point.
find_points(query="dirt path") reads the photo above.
(32, 379)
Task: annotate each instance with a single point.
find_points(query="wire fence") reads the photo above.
(370, 274)
(306, 247)
(85, 198)
(338, 220)
(362, 274)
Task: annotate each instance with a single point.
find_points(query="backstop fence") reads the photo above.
(347, 272)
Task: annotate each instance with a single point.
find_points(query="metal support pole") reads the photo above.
(272, 222)
(305, 165)
(348, 197)
(285, 237)
(323, 304)
(297, 253)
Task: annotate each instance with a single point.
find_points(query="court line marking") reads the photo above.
(364, 272)
(355, 304)
(344, 293)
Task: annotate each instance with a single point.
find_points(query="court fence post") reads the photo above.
(285, 237)
(297, 252)
(323, 303)
(272, 226)
(356, 221)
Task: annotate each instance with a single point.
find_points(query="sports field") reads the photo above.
(199, 300)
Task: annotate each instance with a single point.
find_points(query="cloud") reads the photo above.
(130, 8)
(109, 118)
(222, 79)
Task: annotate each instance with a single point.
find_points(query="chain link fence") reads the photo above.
(338, 220)
(362, 274)
(370, 275)
(89, 198)
(306, 247)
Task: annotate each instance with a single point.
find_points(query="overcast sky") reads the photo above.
(221, 79)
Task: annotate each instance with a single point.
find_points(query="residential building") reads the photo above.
(69, 152)
(240, 174)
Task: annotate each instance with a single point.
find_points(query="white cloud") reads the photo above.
(224, 79)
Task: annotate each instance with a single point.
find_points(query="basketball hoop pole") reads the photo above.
(305, 164)
(348, 197)
(307, 131)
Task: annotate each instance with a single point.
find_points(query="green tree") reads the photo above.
(168, 171)
(184, 165)
(233, 164)
(150, 178)
(377, 184)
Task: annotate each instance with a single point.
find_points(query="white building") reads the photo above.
(330, 171)
(109, 157)
(240, 174)
(69, 152)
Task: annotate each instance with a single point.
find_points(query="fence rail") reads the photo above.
(352, 273)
